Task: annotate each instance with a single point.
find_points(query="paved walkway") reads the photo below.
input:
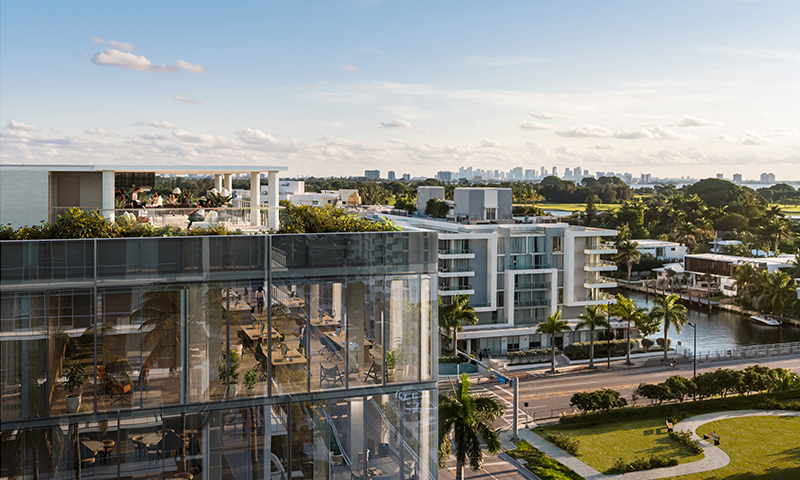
(713, 459)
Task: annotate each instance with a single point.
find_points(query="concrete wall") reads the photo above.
(505, 198)
(424, 194)
(23, 197)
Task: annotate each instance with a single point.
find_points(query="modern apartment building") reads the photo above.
(518, 274)
(338, 331)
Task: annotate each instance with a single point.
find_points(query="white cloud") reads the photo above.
(501, 61)
(548, 116)
(333, 124)
(397, 124)
(158, 124)
(605, 146)
(781, 132)
(97, 40)
(122, 45)
(113, 57)
(256, 137)
(185, 100)
(585, 131)
(746, 137)
(536, 126)
(486, 143)
(655, 132)
(564, 150)
(97, 131)
(15, 125)
(348, 67)
(185, 136)
(411, 113)
(687, 121)
(190, 67)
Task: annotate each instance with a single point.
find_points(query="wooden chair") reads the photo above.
(374, 372)
(330, 375)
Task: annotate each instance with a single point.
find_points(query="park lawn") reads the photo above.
(789, 209)
(571, 207)
(766, 448)
(601, 445)
(542, 465)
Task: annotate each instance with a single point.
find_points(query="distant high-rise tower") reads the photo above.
(555, 171)
(372, 174)
(645, 178)
(406, 177)
(544, 172)
(720, 176)
(737, 178)
(391, 175)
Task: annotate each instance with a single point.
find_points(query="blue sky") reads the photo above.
(332, 88)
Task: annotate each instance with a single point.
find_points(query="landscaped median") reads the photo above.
(540, 464)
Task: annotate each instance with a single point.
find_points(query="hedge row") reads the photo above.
(642, 463)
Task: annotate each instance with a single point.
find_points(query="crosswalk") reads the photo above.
(507, 400)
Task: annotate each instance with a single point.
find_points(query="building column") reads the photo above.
(229, 183)
(255, 198)
(107, 202)
(218, 182)
(272, 215)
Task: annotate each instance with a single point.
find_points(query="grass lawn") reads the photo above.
(542, 465)
(763, 448)
(601, 445)
(789, 209)
(571, 207)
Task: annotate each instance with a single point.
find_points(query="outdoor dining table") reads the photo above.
(151, 438)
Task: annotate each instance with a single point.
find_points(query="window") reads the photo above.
(518, 244)
(558, 246)
(659, 252)
(512, 343)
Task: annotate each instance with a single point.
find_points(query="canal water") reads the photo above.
(722, 329)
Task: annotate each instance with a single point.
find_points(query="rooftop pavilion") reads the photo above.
(30, 194)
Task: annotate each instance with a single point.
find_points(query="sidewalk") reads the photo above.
(713, 459)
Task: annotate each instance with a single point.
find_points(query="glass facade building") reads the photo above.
(220, 357)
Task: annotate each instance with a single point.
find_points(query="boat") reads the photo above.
(765, 320)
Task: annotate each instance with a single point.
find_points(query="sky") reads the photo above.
(680, 88)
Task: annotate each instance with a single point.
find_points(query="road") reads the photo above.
(548, 396)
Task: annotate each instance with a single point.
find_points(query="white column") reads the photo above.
(218, 182)
(255, 198)
(272, 183)
(229, 183)
(108, 195)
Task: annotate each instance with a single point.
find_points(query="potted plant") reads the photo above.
(391, 362)
(230, 376)
(250, 379)
(75, 376)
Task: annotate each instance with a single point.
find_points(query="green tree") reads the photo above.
(669, 311)
(627, 254)
(591, 208)
(470, 418)
(553, 326)
(775, 292)
(436, 208)
(626, 310)
(592, 319)
(453, 316)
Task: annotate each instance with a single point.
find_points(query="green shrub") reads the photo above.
(565, 442)
(449, 359)
(540, 464)
(642, 463)
(604, 399)
(647, 343)
(685, 437)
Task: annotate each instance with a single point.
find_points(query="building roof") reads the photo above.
(163, 169)
(740, 260)
(647, 243)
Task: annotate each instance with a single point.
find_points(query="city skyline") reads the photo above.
(686, 89)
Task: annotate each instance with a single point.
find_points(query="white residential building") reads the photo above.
(518, 274)
(661, 250)
(722, 267)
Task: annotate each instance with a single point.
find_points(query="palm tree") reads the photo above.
(668, 310)
(470, 418)
(593, 318)
(553, 326)
(707, 277)
(626, 310)
(453, 316)
(628, 253)
(776, 292)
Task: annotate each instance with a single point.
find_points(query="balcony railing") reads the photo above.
(455, 269)
(455, 251)
(519, 266)
(601, 296)
(452, 288)
(532, 303)
(601, 263)
(167, 216)
(531, 286)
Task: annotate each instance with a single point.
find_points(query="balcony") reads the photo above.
(600, 266)
(600, 282)
(456, 253)
(537, 302)
(456, 290)
(532, 286)
(520, 266)
(601, 249)
(456, 272)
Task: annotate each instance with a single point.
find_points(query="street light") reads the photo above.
(694, 360)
